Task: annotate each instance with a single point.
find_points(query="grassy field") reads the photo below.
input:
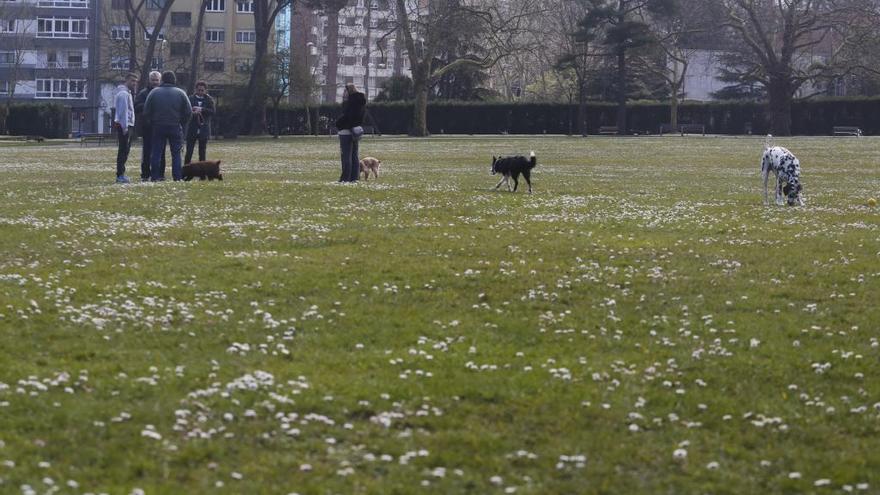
(639, 324)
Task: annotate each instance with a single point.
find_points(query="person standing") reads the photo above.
(168, 112)
(123, 121)
(200, 124)
(146, 130)
(349, 129)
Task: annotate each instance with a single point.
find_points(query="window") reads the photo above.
(119, 63)
(181, 19)
(215, 35)
(348, 41)
(216, 6)
(179, 49)
(4, 88)
(157, 63)
(120, 32)
(75, 60)
(69, 4)
(244, 65)
(214, 64)
(62, 27)
(61, 88)
(149, 32)
(244, 6)
(7, 25)
(156, 4)
(118, 4)
(7, 58)
(348, 60)
(351, 21)
(245, 36)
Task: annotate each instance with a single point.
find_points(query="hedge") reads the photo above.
(50, 120)
(809, 117)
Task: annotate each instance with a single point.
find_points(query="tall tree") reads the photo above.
(780, 39)
(331, 9)
(197, 40)
(430, 25)
(265, 12)
(619, 26)
(17, 24)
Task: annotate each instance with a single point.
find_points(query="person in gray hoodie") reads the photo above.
(167, 111)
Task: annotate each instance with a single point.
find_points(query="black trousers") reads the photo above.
(124, 141)
(191, 144)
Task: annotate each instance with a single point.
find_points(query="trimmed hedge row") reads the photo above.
(50, 120)
(809, 117)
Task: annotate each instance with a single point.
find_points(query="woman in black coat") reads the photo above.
(349, 129)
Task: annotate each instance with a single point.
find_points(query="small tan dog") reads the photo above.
(368, 163)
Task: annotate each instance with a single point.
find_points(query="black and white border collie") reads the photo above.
(513, 166)
(787, 169)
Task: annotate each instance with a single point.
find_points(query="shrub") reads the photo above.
(51, 120)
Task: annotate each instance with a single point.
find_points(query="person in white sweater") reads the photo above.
(123, 123)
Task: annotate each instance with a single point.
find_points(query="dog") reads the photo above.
(787, 169)
(513, 166)
(209, 169)
(368, 164)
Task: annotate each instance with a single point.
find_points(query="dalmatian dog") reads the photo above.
(787, 169)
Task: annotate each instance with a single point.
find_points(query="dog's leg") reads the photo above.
(766, 175)
(527, 176)
(498, 186)
(779, 201)
(507, 179)
(187, 178)
(515, 181)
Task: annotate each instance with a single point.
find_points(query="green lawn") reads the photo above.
(639, 324)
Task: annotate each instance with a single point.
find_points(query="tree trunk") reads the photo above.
(621, 91)
(780, 94)
(673, 107)
(582, 107)
(332, 57)
(154, 38)
(196, 49)
(367, 41)
(420, 105)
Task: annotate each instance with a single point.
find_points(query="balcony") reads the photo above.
(66, 65)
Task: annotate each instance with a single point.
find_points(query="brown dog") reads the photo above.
(209, 169)
(368, 163)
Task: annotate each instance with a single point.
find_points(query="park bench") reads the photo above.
(844, 130)
(608, 129)
(692, 129)
(93, 137)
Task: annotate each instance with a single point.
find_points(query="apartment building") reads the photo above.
(227, 43)
(367, 49)
(47, 53)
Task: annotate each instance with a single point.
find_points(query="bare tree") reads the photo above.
(195, 54)
(788, 43)
(140, 17)
(265, 12)
(280, 75)
(429, 25)
(331, 9)
(16, 39)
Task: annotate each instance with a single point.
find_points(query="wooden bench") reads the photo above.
(844, 130)
(692, 129)
(608, 129)
(93, 137)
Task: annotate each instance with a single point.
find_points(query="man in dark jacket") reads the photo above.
(200, 124)
(349, 129)
(168, 112)
(145, 130)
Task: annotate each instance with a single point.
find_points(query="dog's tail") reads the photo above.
(533, 161)
(768, 142)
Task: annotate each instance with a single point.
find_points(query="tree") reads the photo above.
(673, 29)
(265, 12)
(195, 54)
(16, 30)
(428, 26)
(280, 74)
(788, 43)
(576, 59)
(140, 16)
(331, 9)
(619, 26)
(396, 88)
